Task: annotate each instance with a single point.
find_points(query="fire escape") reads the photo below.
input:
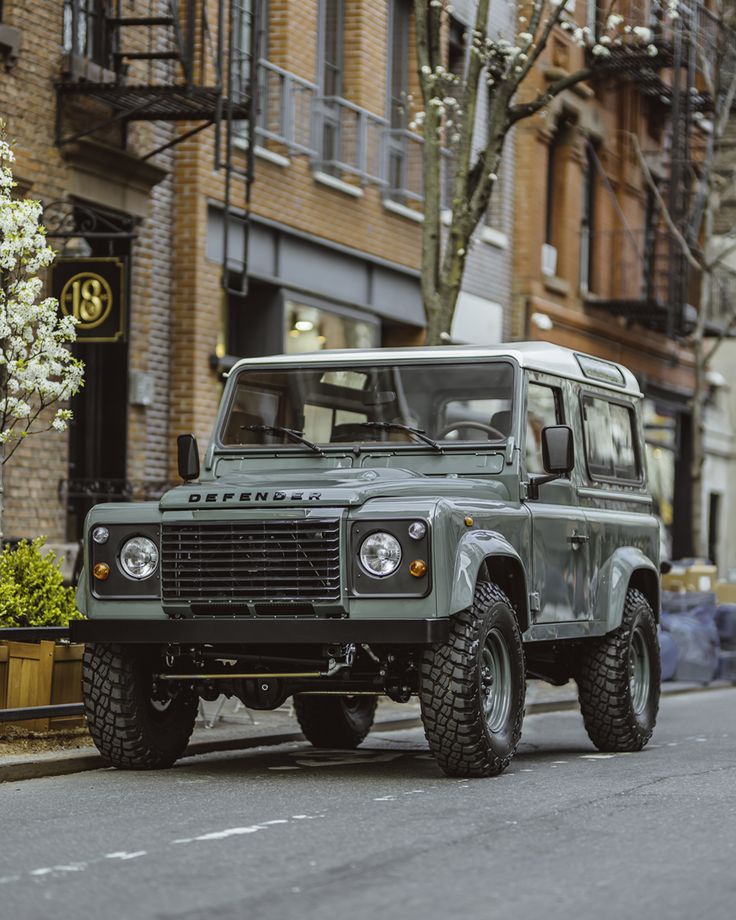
(650, 280)
(182, 62)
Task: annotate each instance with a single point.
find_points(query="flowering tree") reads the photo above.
(448, 118)
(37, 369)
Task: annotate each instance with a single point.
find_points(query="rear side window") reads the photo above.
(610, 440)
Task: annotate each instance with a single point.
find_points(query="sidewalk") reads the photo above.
(226, 725)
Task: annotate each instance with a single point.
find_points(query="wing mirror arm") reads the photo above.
(558, 457)
(532, 487)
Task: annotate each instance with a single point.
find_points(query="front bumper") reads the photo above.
(266, 631)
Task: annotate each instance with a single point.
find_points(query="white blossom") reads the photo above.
(643, 33)
(37, 368)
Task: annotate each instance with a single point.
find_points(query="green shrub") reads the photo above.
(32, 591)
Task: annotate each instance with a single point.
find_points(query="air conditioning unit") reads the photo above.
(549, 259)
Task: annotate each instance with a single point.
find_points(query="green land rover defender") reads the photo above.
(446, 522)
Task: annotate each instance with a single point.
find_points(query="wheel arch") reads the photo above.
(486, 556)
(628, 567)
(647, 581)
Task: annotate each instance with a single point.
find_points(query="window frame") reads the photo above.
(556, 387)
(224, 449)
(631, 407)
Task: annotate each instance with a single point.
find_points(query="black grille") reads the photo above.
(251, 561)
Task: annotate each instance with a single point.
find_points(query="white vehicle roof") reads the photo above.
(538, 356)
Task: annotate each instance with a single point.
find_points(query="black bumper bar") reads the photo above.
(276, 631)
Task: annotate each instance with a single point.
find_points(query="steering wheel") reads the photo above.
(480, 426)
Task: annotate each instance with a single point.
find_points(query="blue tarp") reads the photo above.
(690, 620)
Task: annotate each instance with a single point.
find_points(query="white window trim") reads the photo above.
(333, 182)
(271, 156)
(494, 237)
(395, 207)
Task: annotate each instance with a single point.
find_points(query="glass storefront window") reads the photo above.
(310, 328)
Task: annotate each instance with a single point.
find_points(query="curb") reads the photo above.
(64, 764)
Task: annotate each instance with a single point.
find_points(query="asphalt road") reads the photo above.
(289, 832)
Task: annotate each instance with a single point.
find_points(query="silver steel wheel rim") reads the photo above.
(639, 672)
(495, 681)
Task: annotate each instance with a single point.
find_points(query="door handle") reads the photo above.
(577, 539)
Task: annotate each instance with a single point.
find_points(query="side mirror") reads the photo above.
(558, 457)
(558, 450)
(188, 456)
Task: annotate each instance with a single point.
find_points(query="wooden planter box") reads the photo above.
(41, 674)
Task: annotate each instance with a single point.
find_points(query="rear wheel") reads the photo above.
(619, 678)
(335, 721)
(473, 688)
(133, 727)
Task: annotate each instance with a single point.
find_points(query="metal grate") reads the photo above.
(241, 561)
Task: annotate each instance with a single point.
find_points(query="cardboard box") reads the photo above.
(699, 577)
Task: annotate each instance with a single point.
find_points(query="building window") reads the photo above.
(398, 81)
(399, 62)
(556, 192)
(330, 68)
(310, 328)
(331, 65)
(85, 30)
(456, 48)
(587, 228)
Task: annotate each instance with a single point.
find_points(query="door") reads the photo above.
(560, 551)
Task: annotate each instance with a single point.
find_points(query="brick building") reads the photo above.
(595, 268)
(133, 123)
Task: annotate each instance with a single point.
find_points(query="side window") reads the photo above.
(543, 408)
(610, 440)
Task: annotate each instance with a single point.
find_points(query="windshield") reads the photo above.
(337, 405)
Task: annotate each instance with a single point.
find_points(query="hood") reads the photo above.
(314, 488)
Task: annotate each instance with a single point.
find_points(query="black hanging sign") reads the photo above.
(92, 290)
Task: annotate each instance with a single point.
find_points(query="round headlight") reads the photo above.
(380, 554)
(139, 558)
(100, 534)
(417, 530)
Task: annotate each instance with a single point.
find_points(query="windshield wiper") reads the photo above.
(289, 432)
(418, 433)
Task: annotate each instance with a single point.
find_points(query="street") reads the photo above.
(293, 832)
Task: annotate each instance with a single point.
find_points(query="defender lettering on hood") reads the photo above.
(213, 497)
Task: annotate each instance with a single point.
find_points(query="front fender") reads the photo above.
(472, 552)
(626, 564)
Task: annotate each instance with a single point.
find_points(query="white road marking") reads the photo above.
(123, 855)
(596, 756)
(232, 832)
(51, 870)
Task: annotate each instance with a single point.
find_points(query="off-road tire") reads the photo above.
(125, 726)
(451, 693)
(335, 721)
(604, 688)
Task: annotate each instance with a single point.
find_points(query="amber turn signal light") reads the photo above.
(418, 568)
(101, 571)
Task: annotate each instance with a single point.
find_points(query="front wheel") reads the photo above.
(133, 727)
(618, 681)
(335, 721)
(472, 689)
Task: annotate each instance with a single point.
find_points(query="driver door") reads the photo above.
(560, 551)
